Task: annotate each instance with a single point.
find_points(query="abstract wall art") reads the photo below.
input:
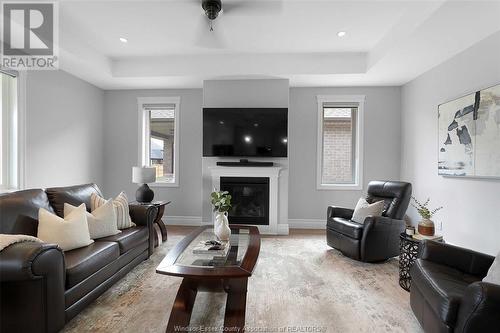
(469, 135)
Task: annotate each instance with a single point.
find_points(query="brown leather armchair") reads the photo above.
(447, 294)
(42, 287)
(377, 238)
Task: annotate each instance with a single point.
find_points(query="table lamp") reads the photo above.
(144, 175)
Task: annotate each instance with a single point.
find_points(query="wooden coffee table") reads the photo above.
(201, 272)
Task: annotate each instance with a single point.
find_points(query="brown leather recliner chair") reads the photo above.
(42, 287)
(377, 238)
(447, 294)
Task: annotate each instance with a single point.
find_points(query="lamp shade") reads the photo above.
(143, 175)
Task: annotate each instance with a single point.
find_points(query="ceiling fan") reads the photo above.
(208, 37)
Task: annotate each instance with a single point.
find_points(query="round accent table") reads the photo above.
(409, 251)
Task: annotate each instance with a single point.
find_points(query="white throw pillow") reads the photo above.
(493, 275)
(364, 209)
(70, 232)
(102, 221)
(120, 203)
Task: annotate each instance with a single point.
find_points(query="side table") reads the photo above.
(409, 251)
(158, 224)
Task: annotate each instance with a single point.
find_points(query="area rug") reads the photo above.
(299, 285)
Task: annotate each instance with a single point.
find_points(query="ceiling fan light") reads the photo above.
(341, 34)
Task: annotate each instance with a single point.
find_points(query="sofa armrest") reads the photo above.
(18, 260)
(143, 214)
(480, 308)
(35, 273)
(386, 223)
(334, 211)
(380, 239)
(465, 260)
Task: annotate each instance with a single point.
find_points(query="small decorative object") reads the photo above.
(221, 200)
(425, 226)
(218, 249)
(144, 175)
(410, 230)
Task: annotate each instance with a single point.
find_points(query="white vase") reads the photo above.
(221, 226)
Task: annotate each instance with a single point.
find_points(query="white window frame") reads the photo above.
(144, 131)
(16, 179)
(358, 157)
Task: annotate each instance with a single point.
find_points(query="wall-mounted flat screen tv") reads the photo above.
(245, 132)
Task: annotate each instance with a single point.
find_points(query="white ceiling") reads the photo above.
(169, 45)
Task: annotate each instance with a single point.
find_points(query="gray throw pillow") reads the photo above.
(364, 209)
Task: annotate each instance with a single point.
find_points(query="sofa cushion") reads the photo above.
(101, 222)
(69, 233)
(120, 203)
(346, 227)
(19, 211)
(364, 209)
(493, 275)
(83, 262)
(73, 195)
(442, 287)
(128, 238)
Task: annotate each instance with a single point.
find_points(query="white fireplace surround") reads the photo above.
(273, 173)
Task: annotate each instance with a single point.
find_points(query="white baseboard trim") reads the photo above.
(283, 229)
(194, 221)
(307, 224)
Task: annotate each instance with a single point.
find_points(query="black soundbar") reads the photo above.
(246, 163)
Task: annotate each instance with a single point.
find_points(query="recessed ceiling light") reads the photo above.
(123, 40)
(341, 33)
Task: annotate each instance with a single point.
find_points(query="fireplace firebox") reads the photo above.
(250, 199)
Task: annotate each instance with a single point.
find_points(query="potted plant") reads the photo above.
(221, 202)
(426, 225)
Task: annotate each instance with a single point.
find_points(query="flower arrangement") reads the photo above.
(423, 210)
(221, 200)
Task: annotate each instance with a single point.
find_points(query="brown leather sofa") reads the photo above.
(42, 287)
(447, 294)
(377, 238)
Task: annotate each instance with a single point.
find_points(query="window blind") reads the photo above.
(151, 107)
(340, 105)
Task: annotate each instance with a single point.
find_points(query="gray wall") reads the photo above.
(64, 126)
(470, 217)
(305, 202)
(121, 148)
(257, 93)
(382, 137)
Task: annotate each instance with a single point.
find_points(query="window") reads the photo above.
(340, 142)
(11, 132)
(159, 141)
